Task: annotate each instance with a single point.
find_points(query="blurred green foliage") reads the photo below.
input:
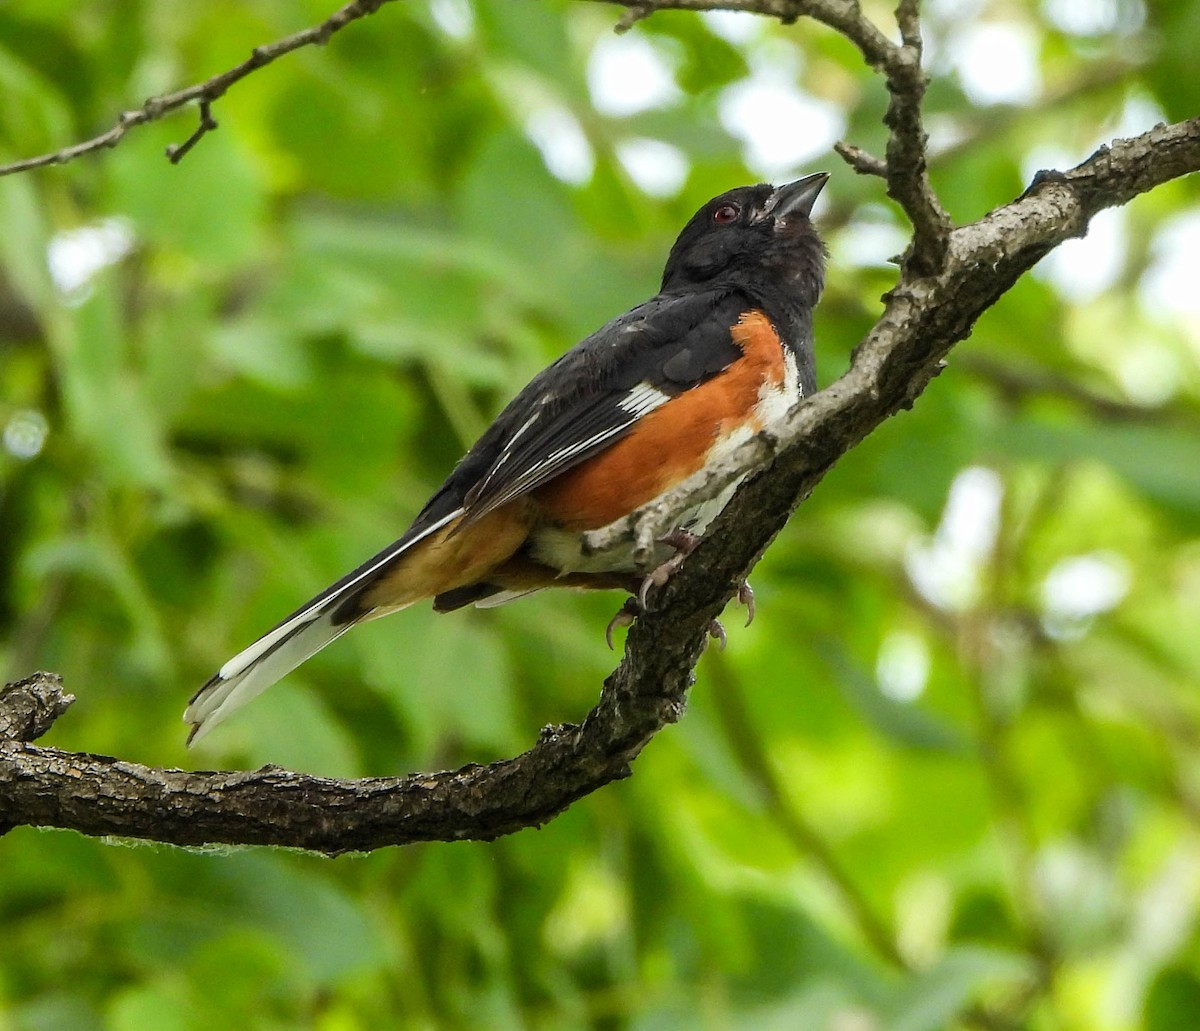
(949, 777)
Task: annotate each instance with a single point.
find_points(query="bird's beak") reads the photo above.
(796, 198)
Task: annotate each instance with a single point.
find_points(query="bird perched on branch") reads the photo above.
(722, 352)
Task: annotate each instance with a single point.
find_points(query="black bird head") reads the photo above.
(755, 237)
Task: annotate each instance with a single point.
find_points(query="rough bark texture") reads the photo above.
(102, 795)
(949, 277)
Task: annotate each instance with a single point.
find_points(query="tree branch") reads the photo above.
(100, 795)
(905, 166)
(923, 318)
(860, 160)
(176, 153)
(29, 707)
(204, 93)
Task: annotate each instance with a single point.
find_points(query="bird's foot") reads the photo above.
(684, 544)
(626, 615)
(745, 596)
(716, 632)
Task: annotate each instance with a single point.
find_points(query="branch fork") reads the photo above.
(949, 277)
(204, 93)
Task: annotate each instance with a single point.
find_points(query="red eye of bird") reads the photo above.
(725, 214)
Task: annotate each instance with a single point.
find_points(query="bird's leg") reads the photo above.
(745, 596)
(684, 544)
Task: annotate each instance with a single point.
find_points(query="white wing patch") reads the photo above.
(562, 549)
(570, 450)
(642, 399)
(637, 402)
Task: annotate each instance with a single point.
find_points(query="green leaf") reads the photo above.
(311, 916)
(937, 996)
(1173, 1000)
(904, 722)
(1157, 460)
(148, 1006)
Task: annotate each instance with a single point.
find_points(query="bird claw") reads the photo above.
(625, 616)
(745, 596)
(684, 544)
(717, 632)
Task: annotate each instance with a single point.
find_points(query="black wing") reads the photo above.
(584, 402)
(593, 396)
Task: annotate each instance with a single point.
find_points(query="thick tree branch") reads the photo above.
(923, 318)
(203, 93)
(101, 795)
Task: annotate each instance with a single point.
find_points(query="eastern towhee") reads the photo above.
(722, 351)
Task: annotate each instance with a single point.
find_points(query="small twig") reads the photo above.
(175, 154)
(204, 93)
(29, 707)
(632, 15)
(843, 16)
(907, 168)
(908, 18)
(846, 17)
(922, 320)
(906, 172)
(861, 161)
